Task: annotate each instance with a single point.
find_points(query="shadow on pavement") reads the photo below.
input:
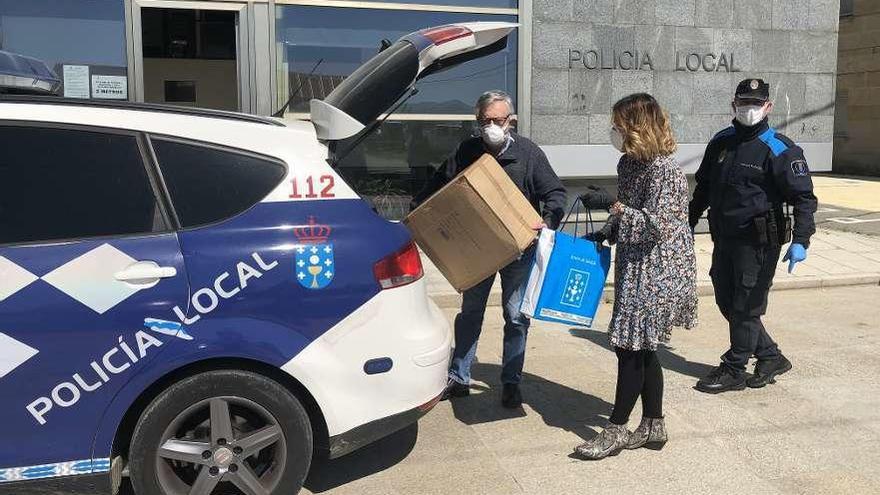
(327, 474)
(558, 405)
(668, 359)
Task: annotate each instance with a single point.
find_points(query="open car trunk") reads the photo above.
(377, 85)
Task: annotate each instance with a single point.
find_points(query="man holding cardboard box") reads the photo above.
(528, 168)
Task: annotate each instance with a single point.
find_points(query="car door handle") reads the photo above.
(145, 271)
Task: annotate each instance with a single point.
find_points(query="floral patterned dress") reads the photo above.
(655, 272)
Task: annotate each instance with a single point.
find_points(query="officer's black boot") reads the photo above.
(767, 370)
(722, 379)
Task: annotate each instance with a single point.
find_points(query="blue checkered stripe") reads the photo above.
(68, 468)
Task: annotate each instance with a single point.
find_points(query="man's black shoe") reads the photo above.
(511, 397)
(722, 379)
(455, 389)
(766, 371)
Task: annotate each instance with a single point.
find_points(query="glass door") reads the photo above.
(191, 54)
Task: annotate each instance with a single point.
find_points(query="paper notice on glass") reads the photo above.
(110, 87)
(76, 81)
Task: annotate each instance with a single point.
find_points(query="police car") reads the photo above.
(194, 299)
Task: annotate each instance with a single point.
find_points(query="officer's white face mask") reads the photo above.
(749, 115)
(616, 139)
(494, 135)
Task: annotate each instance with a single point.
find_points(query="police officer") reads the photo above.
(748, 174)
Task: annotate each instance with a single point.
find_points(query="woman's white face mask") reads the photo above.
(616, 139)
(749, 115)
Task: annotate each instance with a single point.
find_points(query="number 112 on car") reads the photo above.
(312, 187)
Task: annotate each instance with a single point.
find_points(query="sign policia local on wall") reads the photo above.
(638, 60)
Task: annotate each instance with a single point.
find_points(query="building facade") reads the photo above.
(565, 66)
(690, 54)
(856, 147)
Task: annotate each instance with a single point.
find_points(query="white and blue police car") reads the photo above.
(195, 299)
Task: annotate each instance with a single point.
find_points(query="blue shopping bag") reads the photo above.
(566, 280)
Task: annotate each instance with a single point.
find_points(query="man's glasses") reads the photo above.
(500, 121)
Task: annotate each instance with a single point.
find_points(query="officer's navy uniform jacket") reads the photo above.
(746, 173)
(525, 164)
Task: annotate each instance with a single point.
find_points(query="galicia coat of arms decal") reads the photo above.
(315, 266)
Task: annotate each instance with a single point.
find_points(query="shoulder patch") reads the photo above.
(774, 143)
(799, 168)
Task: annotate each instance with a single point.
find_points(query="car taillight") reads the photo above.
(401, 268)
(445, 34)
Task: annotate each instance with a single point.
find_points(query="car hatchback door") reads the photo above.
(375, 87)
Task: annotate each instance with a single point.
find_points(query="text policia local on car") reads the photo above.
(121, 356)
(643, 60)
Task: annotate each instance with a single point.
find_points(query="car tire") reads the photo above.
(180, 439)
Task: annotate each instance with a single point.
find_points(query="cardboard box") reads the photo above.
(476, 225)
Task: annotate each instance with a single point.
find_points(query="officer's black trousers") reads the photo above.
(742, 273)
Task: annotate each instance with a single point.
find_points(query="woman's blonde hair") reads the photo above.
(645, 127)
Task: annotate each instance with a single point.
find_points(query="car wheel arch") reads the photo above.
(125, 428)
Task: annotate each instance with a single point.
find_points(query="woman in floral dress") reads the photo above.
(655, 268)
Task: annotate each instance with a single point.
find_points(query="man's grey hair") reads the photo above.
(490, 97)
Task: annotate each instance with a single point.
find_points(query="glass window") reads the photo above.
(68, 184)
(186, 33)
(83, 41)
(390, 166)
(210, 184)
(345, 38)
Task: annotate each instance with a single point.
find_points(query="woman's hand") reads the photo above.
(597, 198)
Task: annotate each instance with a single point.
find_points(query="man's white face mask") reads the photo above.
(749, 115)
(494, 135)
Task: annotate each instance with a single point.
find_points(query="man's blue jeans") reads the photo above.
(469, 323)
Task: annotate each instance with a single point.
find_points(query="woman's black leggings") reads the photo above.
(638, 374)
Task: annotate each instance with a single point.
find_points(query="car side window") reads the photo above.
(209, 184)
(60, 183)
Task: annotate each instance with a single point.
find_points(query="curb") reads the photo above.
(452, 300)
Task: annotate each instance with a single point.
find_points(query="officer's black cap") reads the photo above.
(754, 89)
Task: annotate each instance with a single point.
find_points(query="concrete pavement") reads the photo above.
(855, 193)
(814, 432)
(849, 204)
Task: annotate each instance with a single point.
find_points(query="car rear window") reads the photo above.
(209, 184)
(58, 183)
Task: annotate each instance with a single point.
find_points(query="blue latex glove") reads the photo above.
(796, 253)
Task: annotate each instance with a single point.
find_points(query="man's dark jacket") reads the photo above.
(525, 164)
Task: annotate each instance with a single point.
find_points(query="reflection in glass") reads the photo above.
(347, 37)
(80, 33)
(393, 164)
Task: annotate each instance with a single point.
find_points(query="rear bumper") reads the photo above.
(400, 326)
(366, 434)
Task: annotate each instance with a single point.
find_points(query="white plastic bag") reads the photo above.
(539, 269)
